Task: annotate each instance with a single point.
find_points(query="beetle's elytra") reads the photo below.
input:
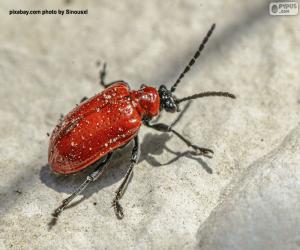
(111, 119)
(99, 125)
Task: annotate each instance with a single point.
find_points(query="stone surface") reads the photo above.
(174, 201)
(262, 209)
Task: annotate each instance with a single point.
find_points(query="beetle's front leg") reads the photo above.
(121, 190)
(166, 128)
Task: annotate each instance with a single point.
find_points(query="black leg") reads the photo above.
(165, 128)
(83, 99)
(121, 190)
(102, 76)
(90, 178)
(61, 117)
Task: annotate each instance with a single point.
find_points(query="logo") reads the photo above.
(283, 8)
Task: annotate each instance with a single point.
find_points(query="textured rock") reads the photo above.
(48, 63)
(262, 210)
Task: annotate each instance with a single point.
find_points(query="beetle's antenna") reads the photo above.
(205, 94)
(197, 54)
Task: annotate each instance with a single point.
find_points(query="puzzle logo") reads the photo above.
(283, 8)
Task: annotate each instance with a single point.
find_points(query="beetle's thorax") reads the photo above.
(146, 100)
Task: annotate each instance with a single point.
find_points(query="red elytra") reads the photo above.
(110, 120)
(99, 125)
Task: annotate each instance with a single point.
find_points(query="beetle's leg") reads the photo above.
(90, 178)
(83, 99)
(166, 128)
(102, 75)
(121, 190)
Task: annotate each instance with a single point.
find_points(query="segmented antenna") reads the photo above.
(197, 54)
(204, 94)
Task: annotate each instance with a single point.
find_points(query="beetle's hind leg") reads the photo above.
(121, 190)
(90, 178)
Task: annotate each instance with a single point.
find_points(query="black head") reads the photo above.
(167, 100)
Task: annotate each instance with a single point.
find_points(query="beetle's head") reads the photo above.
(167, 100)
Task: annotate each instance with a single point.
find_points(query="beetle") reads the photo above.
(111, 119)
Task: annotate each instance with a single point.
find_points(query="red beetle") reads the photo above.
(93, 130)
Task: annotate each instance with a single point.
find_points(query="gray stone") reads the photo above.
(49, 62)
(262, 209)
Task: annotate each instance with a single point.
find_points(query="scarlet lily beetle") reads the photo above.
(110, 120)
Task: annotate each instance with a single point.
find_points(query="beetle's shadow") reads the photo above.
(68, 183)
(155, 145)
(152, 145)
